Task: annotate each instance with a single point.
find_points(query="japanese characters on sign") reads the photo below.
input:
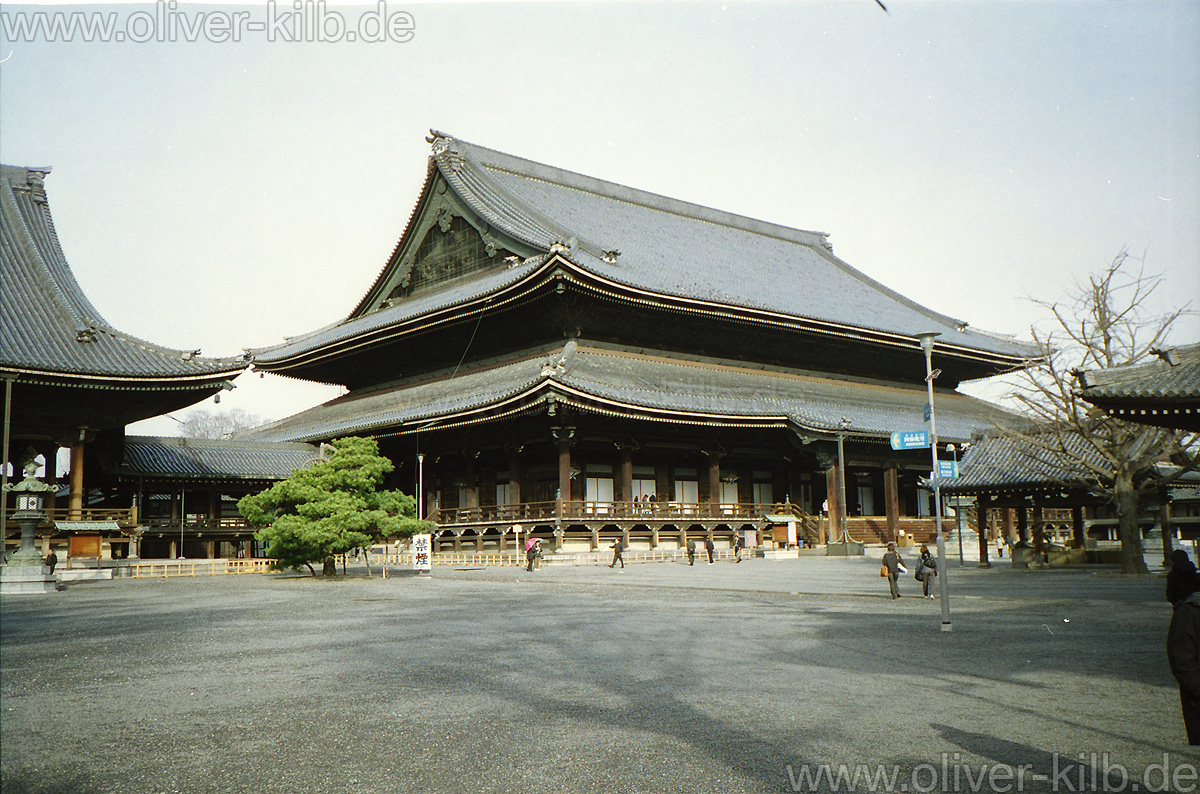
(910, 439)
(422, 549)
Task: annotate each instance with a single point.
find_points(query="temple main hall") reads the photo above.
(545, 352)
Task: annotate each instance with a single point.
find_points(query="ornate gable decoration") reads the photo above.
(448, 241)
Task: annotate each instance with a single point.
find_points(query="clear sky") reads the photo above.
(223, 195)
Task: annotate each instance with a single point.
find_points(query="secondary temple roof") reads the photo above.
(172, 458)
(48, 327)
(639, 385)
(1165, 392)
(643, 243)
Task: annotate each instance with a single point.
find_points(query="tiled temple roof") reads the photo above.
(667, 248)
(643, 385)
(1163, 392)
(209, 459)
(1003, 462)
(48, 327)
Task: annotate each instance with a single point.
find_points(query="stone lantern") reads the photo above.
(25, 571)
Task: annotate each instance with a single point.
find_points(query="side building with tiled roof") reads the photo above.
(70, 378)
(549, 352)
(186, 491)
(1164, 392)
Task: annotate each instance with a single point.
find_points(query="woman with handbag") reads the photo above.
(892, 567)
(927, 571)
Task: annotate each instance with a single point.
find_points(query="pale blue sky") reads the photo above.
(968, 154)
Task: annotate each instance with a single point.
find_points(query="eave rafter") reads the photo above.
(560, 270)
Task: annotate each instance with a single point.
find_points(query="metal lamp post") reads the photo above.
(930, 374)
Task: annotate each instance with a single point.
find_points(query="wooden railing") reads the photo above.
(199, 524)
(588, 511)
(124, 516)
(165, 568)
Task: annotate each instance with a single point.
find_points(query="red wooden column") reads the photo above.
(891, 500)
(75, 500)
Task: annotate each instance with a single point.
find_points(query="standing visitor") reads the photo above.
(691, 551)
(1181, 579)
(1183, 654)
(530, 551)
(708, 547)
(926, 571)
(893, 566)
(737, 547)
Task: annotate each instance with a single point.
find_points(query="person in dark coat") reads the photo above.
(1181, 579)
(893, 563)
(691, 550)
(52, 560)
(1183, 654)
(617, 548)
(708, 547)
(927, 571)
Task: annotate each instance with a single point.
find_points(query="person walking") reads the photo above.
(737, 547)
(893, 566)
(1181, 579)
(691, 551)
(926, 571)
(1183, 654)
(52, 560)
(708, 547)
(617, 548)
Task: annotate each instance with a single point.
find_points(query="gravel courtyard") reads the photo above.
(656, 678)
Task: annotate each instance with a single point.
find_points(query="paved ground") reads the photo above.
(660, 677)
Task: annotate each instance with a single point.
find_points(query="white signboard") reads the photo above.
(422, 550)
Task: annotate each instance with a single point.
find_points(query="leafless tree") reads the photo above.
(202, 423)
(1105, 323)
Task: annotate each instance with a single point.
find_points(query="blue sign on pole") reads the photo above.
(910, 439)
(928, 411)
(947, 469)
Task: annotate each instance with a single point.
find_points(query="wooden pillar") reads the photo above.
(595, 538)
(75, 500)
(1022, 524)
(514, 477)
(714, 484)
(564, 468)
(471, 490)
(982, 503)
(832, 498)
(891, 499)
(626, 473)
